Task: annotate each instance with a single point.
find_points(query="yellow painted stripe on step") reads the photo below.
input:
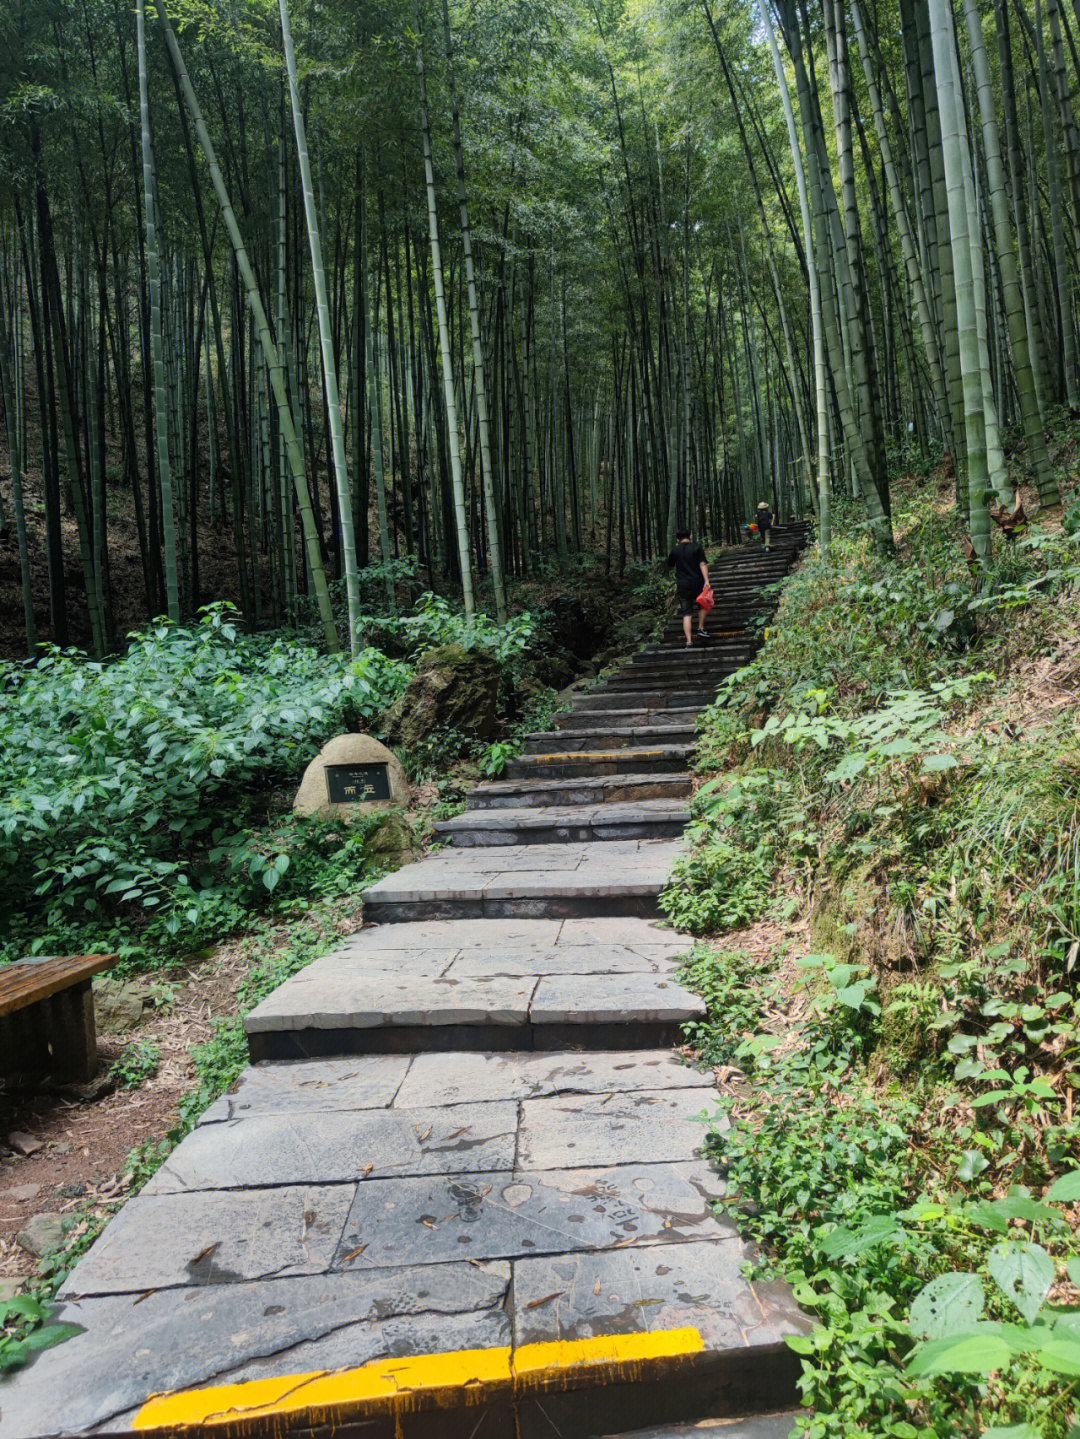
(390, 1384)
(538, 1361)
(383, 1380)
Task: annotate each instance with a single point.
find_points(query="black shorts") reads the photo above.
(688, 601)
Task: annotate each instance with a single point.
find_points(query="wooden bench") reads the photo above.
(47, 1017)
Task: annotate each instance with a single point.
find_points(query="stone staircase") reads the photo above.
(459, 1193)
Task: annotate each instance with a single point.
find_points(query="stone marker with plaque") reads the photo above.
(353, 773)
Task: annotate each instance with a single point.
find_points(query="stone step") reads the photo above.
(719, 637)
(584, 790)
(676, 659)
(693, 687)
(487, 985)
(553, 881)
(641, 720)
(613, 737)
(738, 647)
(592, 702)
(683, 677)
(701, 658)
(738, 623)
(716, 646)
(648, 819)
(565, 764)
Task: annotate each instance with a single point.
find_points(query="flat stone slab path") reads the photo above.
(330, 1212)
(462, 1191)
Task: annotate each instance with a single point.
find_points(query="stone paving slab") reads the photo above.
(643, 1127)
(456, 934)
(134, 1345)
(503, 871)
(593, 999)
(427, 1081)
(630, 1290)
(489, 963)
(498, 1216)
(328, 1001)
(178, 1240)
(460, 934)
(310, 1087)
(452, 1079)
(388, 965)
(394, 1339)
(613, 929)
(335, 1148)
(568, 959)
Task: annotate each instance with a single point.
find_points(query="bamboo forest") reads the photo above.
(540, 601)
(523, 281)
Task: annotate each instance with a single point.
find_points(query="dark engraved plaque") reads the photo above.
(357, 783)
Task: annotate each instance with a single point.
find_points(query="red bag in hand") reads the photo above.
(706, 599)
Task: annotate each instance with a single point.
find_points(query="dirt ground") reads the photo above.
(82, 1144)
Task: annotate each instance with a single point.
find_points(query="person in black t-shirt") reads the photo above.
(691, 576)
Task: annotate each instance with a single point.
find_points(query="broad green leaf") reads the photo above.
(963, 1354)
(949, 1304)
(800, 1344)
(1024, 1274)
(853, 996)
(936, 763)
(1065, 1190)
(850, 767)
(1062, 1356)
(844, 1243)
(1012, 1431)
(51, 1334)
(24, 1305)
(972, 1165)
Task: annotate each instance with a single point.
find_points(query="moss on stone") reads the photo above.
(454, 689)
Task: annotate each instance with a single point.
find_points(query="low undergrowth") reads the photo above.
(942, 1304)
(901, 764)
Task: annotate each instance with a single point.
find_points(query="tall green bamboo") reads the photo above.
(11, 396)
(486, 466)
(1005, 255)
(157, 351)
(270, 353)
(956, 160)
(449, 398)
(326, 337)
(824, 505)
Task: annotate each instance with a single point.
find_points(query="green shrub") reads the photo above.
(129, 784)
